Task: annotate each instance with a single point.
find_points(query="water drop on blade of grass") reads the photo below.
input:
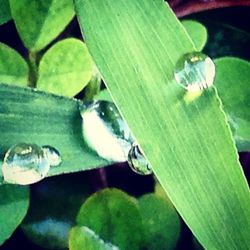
(137, 162)
(52, 155)
(195, 71)
(25, 164)
(105, 131)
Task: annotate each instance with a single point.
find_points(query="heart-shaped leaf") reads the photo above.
(14, 202)
(39, 22)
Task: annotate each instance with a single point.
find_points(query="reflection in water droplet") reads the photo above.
(53, 155)
(138, 162)
(105, 131)
(195, 71)
(25, 164)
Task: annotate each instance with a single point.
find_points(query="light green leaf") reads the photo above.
(197, 32)
(85, 238)
(36, 117)
(65, 68)
(135, 45)
(104, 95)
(13, 68)
(14, 202)
(115, 217)
(5, 15)
(39, 22)
(233, 84)
(160, 221)
(50, 225)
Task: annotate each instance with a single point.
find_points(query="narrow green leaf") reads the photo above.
(135, 45)
(115, 217)
(13, 68)
(14, 202)
(197, 32)
(65, 68)
(85, 238)
(50, 225)
(36, 117)
(39, 22)
(160, 221)
(232, 82)
(5, 15)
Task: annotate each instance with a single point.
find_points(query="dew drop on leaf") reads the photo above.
(105, 131)
(52, 155)
(137, 162)
(195, 71)
(25, 164)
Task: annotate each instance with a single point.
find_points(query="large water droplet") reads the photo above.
(195, 71)
(105, 131)
(25, 164)
(137, 162)
(52, 155)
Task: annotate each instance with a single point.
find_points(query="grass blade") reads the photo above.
(135, 45)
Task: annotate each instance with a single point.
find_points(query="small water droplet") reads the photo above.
(25, 164)
(195, 71)
(53, 155)
(105, 131)
(137, 162)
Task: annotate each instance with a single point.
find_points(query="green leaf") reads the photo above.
(232, 82)
(115, 217)
(39, 22)
(135, 46)
(197, 32)
(160, 221)
(50, 225)
(36, 117)
(13, 68)
(5, 15)
(104, 95)
(14, 202)
(85, 238)
(65, 68)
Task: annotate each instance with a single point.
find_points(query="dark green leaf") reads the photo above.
(5, 15)
(232, 82)
(160, 221)
(85, 238)
(136, 45)
(115, 217)
(225, 40)
(49, 225)
(65, 68)
(14, 202)
(39, 22)
(13, 68)
(36, 117)
(197, 32)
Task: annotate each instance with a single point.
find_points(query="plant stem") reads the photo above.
(33, 69)
(93, 87)
(184, 8)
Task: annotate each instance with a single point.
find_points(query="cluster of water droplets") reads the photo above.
(25, 163)
(109, 136)
(106, 132)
